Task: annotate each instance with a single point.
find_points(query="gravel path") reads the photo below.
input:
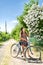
(6, 59)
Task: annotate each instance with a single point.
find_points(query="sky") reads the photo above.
(9, 10)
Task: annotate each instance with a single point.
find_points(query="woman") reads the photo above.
(23, 39)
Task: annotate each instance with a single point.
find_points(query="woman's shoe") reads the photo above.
(22, 55)
(30, 56)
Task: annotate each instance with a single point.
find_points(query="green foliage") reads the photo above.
(16, 32)
(21, 21)
(4, 36)
(33, 2)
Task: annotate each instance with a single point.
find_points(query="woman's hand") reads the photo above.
(23, 39)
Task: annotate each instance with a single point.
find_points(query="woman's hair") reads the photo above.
(21, 28)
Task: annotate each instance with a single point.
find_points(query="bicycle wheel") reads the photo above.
(14, 50)
(34, 52)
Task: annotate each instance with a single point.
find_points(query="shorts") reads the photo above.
(23, 43)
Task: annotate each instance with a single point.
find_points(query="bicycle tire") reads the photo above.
(15, 49)
(34, 52)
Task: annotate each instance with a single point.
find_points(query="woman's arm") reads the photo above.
(23, 39)
(27, 34)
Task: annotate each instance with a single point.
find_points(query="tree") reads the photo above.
(25, 12)
(34, 21)
(16, 32)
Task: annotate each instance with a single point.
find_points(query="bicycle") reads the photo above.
(35, 51)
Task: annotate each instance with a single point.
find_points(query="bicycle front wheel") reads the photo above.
(14, 50)
(34, 52)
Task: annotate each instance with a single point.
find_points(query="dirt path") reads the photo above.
(6, 59)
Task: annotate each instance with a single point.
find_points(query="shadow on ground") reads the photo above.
(31, 60)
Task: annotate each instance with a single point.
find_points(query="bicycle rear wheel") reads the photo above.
(36, 53)
(14, 50)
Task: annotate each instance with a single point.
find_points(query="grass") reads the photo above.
(1, 44)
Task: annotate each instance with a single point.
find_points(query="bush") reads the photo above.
(4, 36)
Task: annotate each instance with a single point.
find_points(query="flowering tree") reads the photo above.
(34, 21)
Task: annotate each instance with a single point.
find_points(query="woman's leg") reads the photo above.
(23, 50)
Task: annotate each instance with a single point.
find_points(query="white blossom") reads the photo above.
(32, 19)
